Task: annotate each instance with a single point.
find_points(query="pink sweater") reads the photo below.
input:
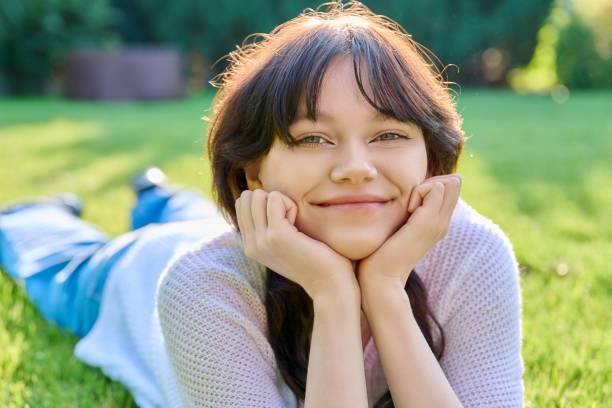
(213, 319)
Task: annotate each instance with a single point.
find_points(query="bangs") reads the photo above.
(268, 80)
(384, 78)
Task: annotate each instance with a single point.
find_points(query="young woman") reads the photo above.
(349, 274)
(332, 148)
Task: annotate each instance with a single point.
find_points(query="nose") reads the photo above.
(354, 166)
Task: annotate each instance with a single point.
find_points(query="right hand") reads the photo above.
(269, 236)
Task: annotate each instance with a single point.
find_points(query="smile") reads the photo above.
(358, 207)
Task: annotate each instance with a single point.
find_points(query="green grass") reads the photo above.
(541, 170)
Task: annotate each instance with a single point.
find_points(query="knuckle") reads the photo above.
(272, 236)
(436, 186)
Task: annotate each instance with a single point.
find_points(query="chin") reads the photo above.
(353, 242)
(352, 253)
(356, 247)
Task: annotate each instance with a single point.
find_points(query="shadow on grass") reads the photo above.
(116, 140)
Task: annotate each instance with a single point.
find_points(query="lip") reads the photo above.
(363, 203)
(360, 207)
(356, 199)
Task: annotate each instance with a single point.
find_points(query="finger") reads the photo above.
(246, 220)
(237, 204)
(433, 196)
(258, 210)
(289, 206)
(275, 210)
(441, 177)
(421, 194)
(415, 200)
(451, 195)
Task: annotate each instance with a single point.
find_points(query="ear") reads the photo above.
(251, 173)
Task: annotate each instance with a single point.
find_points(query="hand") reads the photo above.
(269, 236)
(431, 205)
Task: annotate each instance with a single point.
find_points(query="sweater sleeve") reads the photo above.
(213, 323)
(482, 355)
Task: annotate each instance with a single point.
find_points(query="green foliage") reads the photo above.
(574, 49)
(35, 35)
(461, 32)
(458, 32)
(212, 29)
(579, 64)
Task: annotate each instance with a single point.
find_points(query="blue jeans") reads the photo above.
(62, 261)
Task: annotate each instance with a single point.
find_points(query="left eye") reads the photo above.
(312, 140)
(390, 136)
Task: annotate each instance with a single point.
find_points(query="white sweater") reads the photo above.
(204, 343)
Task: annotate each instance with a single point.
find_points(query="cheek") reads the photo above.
(406, 177)
(291, 174)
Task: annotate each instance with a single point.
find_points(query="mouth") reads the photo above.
(357, 206)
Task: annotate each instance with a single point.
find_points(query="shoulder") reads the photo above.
(473, 290)
(471, 236)
(212, 267)
(475, 258)
(213, 323)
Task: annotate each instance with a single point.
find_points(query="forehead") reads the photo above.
(338, 92)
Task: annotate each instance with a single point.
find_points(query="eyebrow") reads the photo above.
(324, 117)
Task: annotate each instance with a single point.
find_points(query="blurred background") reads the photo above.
(528, 45)
(92, 91)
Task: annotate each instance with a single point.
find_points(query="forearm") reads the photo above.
(413, 374)
(336, 375)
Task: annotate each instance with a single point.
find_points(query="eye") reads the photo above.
(390, 137)
(311, 140)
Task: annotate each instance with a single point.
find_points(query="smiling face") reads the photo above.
(351, 149)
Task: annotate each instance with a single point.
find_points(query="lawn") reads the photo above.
(540, 169)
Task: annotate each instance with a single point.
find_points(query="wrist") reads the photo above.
(332, 289)
(373, 276)
(340, 300)
(383, 294)
(379, 284)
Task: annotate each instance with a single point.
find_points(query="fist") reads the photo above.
(267, 227)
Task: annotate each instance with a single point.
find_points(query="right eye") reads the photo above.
(311, 140)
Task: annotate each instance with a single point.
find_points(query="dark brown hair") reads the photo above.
(259, 94)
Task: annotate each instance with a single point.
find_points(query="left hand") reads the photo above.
(431, 205)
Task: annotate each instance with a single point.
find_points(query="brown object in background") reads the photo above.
(127, 74)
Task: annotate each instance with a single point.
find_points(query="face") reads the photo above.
(352, 154)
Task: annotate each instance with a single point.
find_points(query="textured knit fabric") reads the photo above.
(213, 319)
(126, 341)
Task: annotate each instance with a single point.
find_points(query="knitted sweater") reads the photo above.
(213, 319)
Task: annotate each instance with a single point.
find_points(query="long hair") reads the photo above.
(258, 97)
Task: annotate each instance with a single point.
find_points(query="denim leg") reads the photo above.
(63, 262)
(162, 204)
(91, 281)
(44, 247)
